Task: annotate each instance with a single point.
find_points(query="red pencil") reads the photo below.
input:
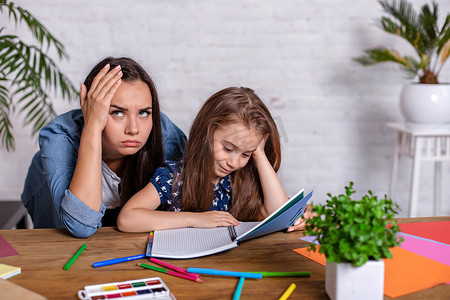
(173, 273)
(172, 267)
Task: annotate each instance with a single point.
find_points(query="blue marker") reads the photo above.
(117, 260)
(237, 292)
(225, 273)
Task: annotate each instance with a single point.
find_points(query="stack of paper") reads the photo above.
(8, 271)
(421, 262)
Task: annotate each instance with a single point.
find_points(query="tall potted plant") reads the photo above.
(354, 235)
(427, 101)
(27, 74)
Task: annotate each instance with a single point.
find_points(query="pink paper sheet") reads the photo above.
(439, 252)
(6, 249)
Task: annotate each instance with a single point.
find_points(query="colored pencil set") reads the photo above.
(193, 273)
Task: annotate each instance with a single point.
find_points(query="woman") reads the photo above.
(92, 160)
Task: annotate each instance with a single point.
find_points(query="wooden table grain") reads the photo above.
(44, 252)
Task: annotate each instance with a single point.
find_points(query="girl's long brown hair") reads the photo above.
(136, 169)
(230, 105)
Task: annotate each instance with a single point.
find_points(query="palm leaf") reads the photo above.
(444, 35)
(405, 24)
(445, 53)
(37, 29)
(31, 73)
(6, 135)
(421, 30)
(429, 27)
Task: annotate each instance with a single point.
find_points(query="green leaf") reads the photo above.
(26, 68)
(420, 30)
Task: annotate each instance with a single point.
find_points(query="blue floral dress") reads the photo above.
(163, 179)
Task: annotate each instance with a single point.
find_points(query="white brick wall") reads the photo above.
(296, 54)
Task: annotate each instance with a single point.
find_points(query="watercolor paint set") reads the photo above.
(148, 288)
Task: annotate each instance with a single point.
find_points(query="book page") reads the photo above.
(189, 242)
(243, 227)
(195, 242)
(283, 221)
(294, 199)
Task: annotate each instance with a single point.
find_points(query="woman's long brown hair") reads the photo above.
(228, 106)
(136, 169)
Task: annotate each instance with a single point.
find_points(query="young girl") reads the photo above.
(228, 172)
(91, 160)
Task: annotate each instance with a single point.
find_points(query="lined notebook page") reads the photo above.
(194, 242)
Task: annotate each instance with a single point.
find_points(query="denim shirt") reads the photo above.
(46, 193)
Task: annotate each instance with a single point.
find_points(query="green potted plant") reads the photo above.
(354, 235)
(427, 101)
(28, 73)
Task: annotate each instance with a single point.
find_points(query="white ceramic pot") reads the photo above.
(343, 281)
(426, 103)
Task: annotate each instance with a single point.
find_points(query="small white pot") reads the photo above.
(343, 281)
(426, 103)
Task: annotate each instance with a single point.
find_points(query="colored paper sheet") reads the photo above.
(310, 239)
(315, 256)
(405, 273)
(408, 272)
(438, 231)
(6, 249)
(439, 252)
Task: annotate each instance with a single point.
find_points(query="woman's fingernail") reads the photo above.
(296, 223)
(107, 66)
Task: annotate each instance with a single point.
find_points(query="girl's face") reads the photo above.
(233, 146)
(129, 121)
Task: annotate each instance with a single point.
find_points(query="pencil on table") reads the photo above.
(169, 272)
(288, 292)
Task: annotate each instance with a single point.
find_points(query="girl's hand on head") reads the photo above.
(214, 218)
(301, 222)
(95, 103)
(260, 149)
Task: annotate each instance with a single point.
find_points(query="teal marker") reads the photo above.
(225, 273)
(237, 292)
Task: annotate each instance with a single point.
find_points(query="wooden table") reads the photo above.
(44, 252)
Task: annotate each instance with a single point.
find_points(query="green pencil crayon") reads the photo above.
(72, 260)
(284, 274)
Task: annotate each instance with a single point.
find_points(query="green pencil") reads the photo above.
(284, 274)
(152, 268)
(72, 260)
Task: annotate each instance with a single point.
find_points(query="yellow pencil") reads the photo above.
(288, 292)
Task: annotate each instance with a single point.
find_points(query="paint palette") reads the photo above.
(149, 288)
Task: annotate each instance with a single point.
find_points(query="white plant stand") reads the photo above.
(421, 142)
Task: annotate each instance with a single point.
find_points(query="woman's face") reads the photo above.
(129, 121)
(233, 146)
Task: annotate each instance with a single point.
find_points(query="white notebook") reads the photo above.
(196, 242)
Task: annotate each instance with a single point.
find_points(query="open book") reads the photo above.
(195, 242)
